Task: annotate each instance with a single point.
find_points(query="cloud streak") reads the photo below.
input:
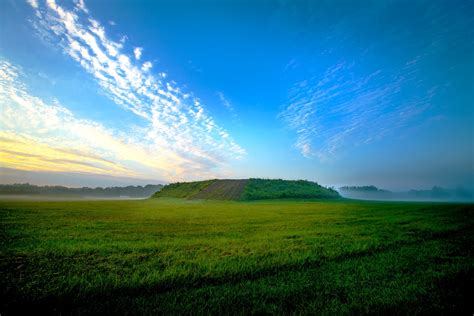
(174, 122)
(38, 136)
(348, 107)
(138, 52)
(227, 104)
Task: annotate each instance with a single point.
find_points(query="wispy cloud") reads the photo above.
(138, 52)
(292, 64)
(35, 135)
(80, 5)
(175, 123)
(33, 3)
(146, 66)
(345, 107)
(225, 102)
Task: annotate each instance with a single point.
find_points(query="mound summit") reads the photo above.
(247, 189)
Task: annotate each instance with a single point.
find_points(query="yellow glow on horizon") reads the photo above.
(23, 153)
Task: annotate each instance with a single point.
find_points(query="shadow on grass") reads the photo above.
(400, 278)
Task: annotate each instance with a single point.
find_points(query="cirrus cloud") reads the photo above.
(40, 136)
(344, 107)
(174, 123)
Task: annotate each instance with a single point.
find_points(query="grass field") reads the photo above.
(172, 256)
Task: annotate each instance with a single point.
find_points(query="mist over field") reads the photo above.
(435, 194)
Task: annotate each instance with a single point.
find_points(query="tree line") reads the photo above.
(129, 191)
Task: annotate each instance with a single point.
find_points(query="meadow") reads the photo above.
(176, 256)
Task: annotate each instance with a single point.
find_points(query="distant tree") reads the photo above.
(130, 191)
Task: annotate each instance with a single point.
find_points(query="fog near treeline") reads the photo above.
(435, 194)
(27, 191)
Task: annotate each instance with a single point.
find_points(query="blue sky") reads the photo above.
(343, 93)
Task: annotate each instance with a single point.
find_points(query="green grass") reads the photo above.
(258, 189)
(183, 189)
(172, 256)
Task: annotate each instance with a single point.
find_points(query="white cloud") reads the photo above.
(343, 108)
(33, 3)
(173, 120)
(49, 131)
(81, 6)
(227, 104)
(138, 52)
(147, 66)
(224, 101)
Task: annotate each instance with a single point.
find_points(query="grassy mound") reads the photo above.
(184, 190)
(257, 189)
(247, 190)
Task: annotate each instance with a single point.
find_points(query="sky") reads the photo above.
(98, 93)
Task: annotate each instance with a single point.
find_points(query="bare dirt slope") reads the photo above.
(222, 190)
